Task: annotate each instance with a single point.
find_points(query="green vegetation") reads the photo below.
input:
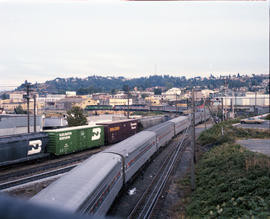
(267, 117)
(231, 183)
(4, 96)
(230, 133)
(94, 83)
(76, 117)
(19, 110)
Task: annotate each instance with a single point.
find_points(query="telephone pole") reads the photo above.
(128, 102)
(28, 98)
(255, 110)
(204, 114)
(193, 158)
(35, 113)
(222, 108)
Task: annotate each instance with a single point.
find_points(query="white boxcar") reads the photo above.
(135, 151)
(90, 187)
(164, 133)
(180, 124)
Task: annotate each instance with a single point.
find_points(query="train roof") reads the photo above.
(21, 137)
(179, 118)
(130, 144)
(72, 128)
(116, 121)
(158, 126)
(71, 190)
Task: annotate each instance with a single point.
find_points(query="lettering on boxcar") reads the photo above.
(133, 125)
(65, 136)
(34, 147)
(96, 134)
(114, 129)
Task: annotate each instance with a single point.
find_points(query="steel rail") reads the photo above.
(47, 166)
(159, 181)
(22, 181)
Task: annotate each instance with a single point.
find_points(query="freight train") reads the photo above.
(24, 147)
(91, 187)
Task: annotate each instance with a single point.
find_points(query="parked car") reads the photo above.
(252, 121)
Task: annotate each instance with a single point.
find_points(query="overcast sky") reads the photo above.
(42, 40)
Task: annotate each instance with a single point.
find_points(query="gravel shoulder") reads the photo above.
(172, 194)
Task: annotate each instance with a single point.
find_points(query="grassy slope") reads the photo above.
(231, 181)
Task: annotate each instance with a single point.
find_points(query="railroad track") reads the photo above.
(7, 186)
(44, 167)
(147, 202)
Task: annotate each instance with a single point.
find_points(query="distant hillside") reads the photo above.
(94, 84)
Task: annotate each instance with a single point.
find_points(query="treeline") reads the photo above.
(94, 84)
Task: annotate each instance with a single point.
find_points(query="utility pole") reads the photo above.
(226, 88)
(28, 98)
(222, 109)
(233, 103)
(193, 158)
(176, 103)
(35, 117)
(204, 114)
(255, 111)
(128, 102)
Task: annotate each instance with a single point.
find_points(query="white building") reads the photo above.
(249, 100)
(172, 94)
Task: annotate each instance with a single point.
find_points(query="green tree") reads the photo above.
(19, 110)
(113, 91)
(157, 91)
(76, 117)
(4, 96)
(144, 95)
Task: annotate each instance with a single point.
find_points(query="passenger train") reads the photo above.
(91, 187)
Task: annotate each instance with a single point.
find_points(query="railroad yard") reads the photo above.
(26, 180)
(157, 174)
(151, 193)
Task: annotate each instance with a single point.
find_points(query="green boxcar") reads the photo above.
(69, 140)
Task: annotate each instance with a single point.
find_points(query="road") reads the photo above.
(256, 145)
(265, 125)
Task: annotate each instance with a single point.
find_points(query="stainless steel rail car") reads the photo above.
(135, 151)
(90, 187)
(151, 121)
(180, 124)
(93, 185)
(164, 133)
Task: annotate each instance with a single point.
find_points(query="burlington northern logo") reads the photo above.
(96, 134)
(34, 147)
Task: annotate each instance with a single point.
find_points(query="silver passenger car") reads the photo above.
(164, 133)
(149, 121)
(180, 124)
(90, 187)
(135, 151)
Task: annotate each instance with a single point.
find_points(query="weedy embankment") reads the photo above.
(231, 182)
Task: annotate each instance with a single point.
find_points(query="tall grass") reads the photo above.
(224, 132)
(231, 183)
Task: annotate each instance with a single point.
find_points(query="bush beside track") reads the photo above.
(213, 136)
(231, 182)
(267, 117)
